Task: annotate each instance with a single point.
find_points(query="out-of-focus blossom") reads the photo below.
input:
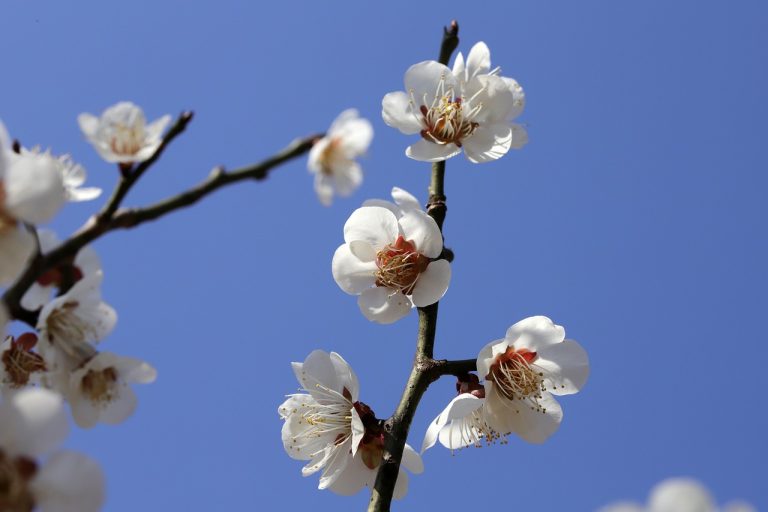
(389, 262)
(122, 135)
(469, 107)
(329, 427)
(679, 495)
(34, 425)
(332, 158)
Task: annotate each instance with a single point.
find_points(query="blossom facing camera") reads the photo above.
(389, 261)
(121, 134)
(332, 158)
(339, 435)
(469, 108)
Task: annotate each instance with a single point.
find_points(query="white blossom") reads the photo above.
(332, 158)
(99, 390)
(34, 425)
(122, 134)
(329, 427)
(469, 107)
(679, 495)
(389, 262)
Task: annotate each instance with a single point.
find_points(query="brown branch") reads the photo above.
(110, 219)
(425, 369)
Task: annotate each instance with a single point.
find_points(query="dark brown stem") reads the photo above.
(110, 218)
(425, 369)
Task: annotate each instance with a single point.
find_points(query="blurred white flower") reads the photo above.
(86, 263)
(332, 158)
(679, 495)
(121, 134)
(333, 430)
(388, 262)
(469, 107)
(34, 424)
(99, 390)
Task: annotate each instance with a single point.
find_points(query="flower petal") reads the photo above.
(432, 284)
(489, 142)
(16, 246)
(350, 273)
(478, 60)
(347, 376)
(461, 406)
(422, 230)
(379, 305)
(373, 224)
(681, 495)
(534, 333)
(519, 136)
(89, 124)
(405, 199)
(354, 477)
(423, 80)
(425, 151)
(411, 460)
(69, 482)
(507, 416)
(397, 112)
(34, 422)
(565, 365)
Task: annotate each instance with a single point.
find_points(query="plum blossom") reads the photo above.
(31, 192)
(332, 158)
(121, 134)
(469, 107)
(679, 495)
(521, 373)
(99, 390)
(19, 365)
(389, 261)
(85, 263)
(329, 427)
(34, 425)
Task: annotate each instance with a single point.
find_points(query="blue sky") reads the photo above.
(636, 218)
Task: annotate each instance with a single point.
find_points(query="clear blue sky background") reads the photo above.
(636, 218)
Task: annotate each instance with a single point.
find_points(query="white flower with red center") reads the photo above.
(679, 495)
(390, 262)
(332, 158)
(99, 390)
(522, 372)
(122, 135)
(34, 425)
(19, 365)
(468, 108)
(329, 427)
(31, 191)
(85, 263)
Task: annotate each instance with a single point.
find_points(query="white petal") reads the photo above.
(34, 188)
(34, 422)
(347, 178)
(424, 81)
(133, 370)
(381, 203)
(363, 251)
(478, 60)
(83, 194)
(318, 369)
(488, 143)
(120, 407)
(154, 130)
(324, 188)
(397, 112)
(502, 98)
(411, 460)
(421, 229)
(405, 199)
(375, 225)
(381, 306)
(354, 477)
(425, 151)
(89, 124)
(519, 136)
(36, 296)
(16, 247)
(401, 485)
(458, 67)
(432, 284)
(461, 406)
(681, 495)
(336, 464)
(350, 273)
(516, 416)
(534, 333)
(347, 377)
(565, 365)
(355, 136)
(487, 354)
(358, 430)
(69, 482)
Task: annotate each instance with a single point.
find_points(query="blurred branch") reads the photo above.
(425, 369)
(111, 218)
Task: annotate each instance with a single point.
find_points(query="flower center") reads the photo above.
(399, 266)
(20, 362)
(371, 446)
(99, 385)
(448, 120)
(517, 378)
(329, 155)
(15, 474)
(126, 140)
